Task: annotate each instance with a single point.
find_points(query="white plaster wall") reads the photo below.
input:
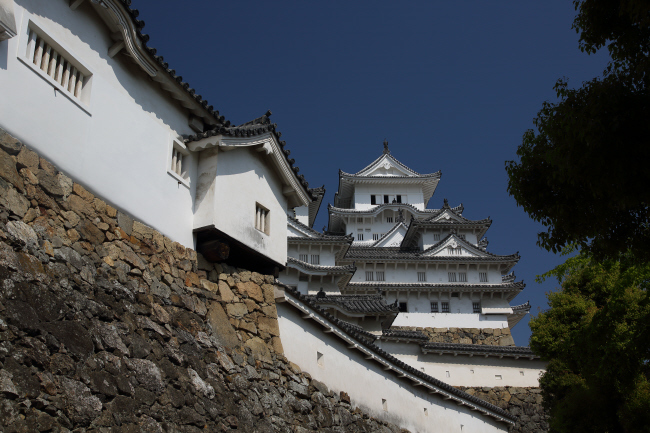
(367, 383)
(121, 148)
(290, 277)
(464, 370)
(362, 193)
(327, 253)
(302, 214)
(408, 273)
(427, 239)
(245, 177)
(451, 320)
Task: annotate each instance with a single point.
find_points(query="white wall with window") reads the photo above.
(363, 195)
(101, 119)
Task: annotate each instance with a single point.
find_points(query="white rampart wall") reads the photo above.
(245, 178)
(119, 144)
(379, 393)
(463, 370)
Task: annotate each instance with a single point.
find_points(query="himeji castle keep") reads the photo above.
(399, 307)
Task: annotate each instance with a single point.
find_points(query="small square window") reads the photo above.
(403, 307)
(303, 258)
(476, 307)
(498, 377)
(315, 259)
(451, 276)
(320, 359)
(262, 220)
(483, 277)
(359, 236)
(389, 219)
(436, 236)
(434, 307)
(462, 237)
(462, 277)
(426, 412)
(445, 307)
(360, 220)
(370, 276)
(380, 276)
(422, 276)
(455, 295)
(384, 404)
(375, 236)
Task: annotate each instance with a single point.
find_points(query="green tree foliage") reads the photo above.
(596, 338)
(584, 172)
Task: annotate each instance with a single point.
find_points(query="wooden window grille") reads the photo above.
(482, 277)
(422, 276)
(370, 276)
(315, 259)
(375, 236)
(476, 307)
(434, 307)
(380, 276)
(436, 236)
(462, 277)
(58, 66)
(463, 237)
(451, 276)
(304, 258)
(389, 219)
(359, 236)
(262, 218)
(445, 307)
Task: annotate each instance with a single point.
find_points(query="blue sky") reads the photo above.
(452, 86)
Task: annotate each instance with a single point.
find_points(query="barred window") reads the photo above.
(454, 251)
(462, 237)
(315, 259)
(476, 306)
(359, 220)
(462, 277)
(359, 236)
(434, 307)
(389, 219)
(482, 276)
(445, 307)
(436, 236)
(375, 236)
(370, 276)
(380, 276)
(303, 258)
(262, 219)
(422, 276)
(451, 276)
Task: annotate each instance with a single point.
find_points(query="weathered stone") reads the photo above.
(267, 324)
(237, 310)
(221, 326)
(125, 222)
(110, 338)
(14, 201)
(251, 290)
(22, 231)
(507, 341)
(141, 230)
(147, 374)
(90, 232)
(9, 144)
(259, 349)
(27, 158)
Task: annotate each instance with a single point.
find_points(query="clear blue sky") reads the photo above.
(451, 85)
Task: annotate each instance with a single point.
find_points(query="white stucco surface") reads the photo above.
(343, 369)
(118, 144)
(463, 370)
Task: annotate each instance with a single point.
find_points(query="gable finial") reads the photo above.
(446, 205)
(386, 150)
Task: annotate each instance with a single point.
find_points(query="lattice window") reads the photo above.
(462, 237)
(451, 276)
(315, 259)
(370, 276)
(389, 219)
(422, 276)
(304, 258)
(262, 220)
(436, 236)
(360, 220)
(434, 307)
(380, 276)
(454, 251)
(63, 70)
(462, 277)
(483, 277)
(476, 307)
(375, 236)
(359, 236)
(445, 307)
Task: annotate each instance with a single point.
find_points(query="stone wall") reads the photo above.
(107, 325)
(523, 403)
(488, 336)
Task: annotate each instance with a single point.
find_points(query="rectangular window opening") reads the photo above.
(386, 199)
(375, 236)
(483, 277)
(262, 220)
(455, 295)
(426, 412)
(370, 276)
(398, 198)
(422, 276)
(384, 404)
(303, 258)
(359, 236)
(434, 307)
(445, 307)
(498, 377)
(380, 276)
(373, 199)
(319, 359)
(436, 236)
(360, 220)
(447, 373)
(403, 307)
(315, 259)
(451, 276)
(476, 307)
(389, 219)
